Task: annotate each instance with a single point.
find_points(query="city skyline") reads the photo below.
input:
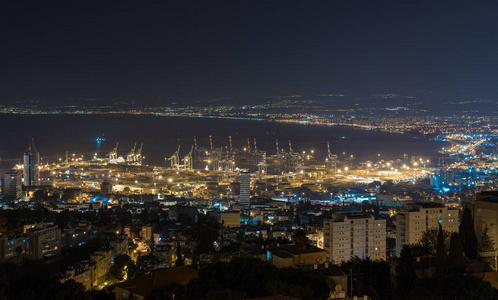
(255, 149)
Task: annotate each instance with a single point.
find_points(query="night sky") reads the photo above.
(74, 50)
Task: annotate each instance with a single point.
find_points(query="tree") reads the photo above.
(134, 230)
(372, 279)
(3, 225)
(456, 260)
(484, 241)
(18, 253)
(468, 235)
(451, 286)
(123, 267)
(440, 252)
(179, 258)
(407, 265)
(245, 277)
(429, 239)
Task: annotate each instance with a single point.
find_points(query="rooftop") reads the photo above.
(145, 284)
(294, 249)
(429, 204)
(488, 196)
(273, 297)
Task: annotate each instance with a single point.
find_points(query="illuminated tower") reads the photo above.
(245, 188)
(31, 163)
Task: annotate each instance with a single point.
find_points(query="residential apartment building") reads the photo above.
(103, 261)
(418, 217)
(485, 213)
(13, 248)
(291, 255)
(227, 218)
(119, 245)
(44, 242)
(12, 184)
(347, 235)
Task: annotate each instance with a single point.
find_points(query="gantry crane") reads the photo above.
(130, 157)
(331, 159)
(138, 155)
(113, 155)
(175, 158)
(187, 160)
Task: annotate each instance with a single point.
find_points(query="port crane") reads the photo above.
(138, 155)
(188, 160)
(295, 160)
(113, 155)
(130, 157)
(331, 159)
(175, 158)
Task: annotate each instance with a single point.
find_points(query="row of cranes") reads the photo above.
(134, 157)
(228, 159)
(217, 159)
(187, 161)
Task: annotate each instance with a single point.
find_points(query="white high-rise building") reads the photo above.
(348, 235)
(418, 217)
(31, 163)
(245, 188)
(12, 184)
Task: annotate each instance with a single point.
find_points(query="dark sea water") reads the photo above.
(56, 134)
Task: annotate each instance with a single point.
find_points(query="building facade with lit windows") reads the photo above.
(347, 235)
(245, 188)
(12, 184)
(44, 242)
(485, 213)
(418, 217)
(103, 261)
(13, 248)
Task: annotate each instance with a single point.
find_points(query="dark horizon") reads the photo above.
(160, 52)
